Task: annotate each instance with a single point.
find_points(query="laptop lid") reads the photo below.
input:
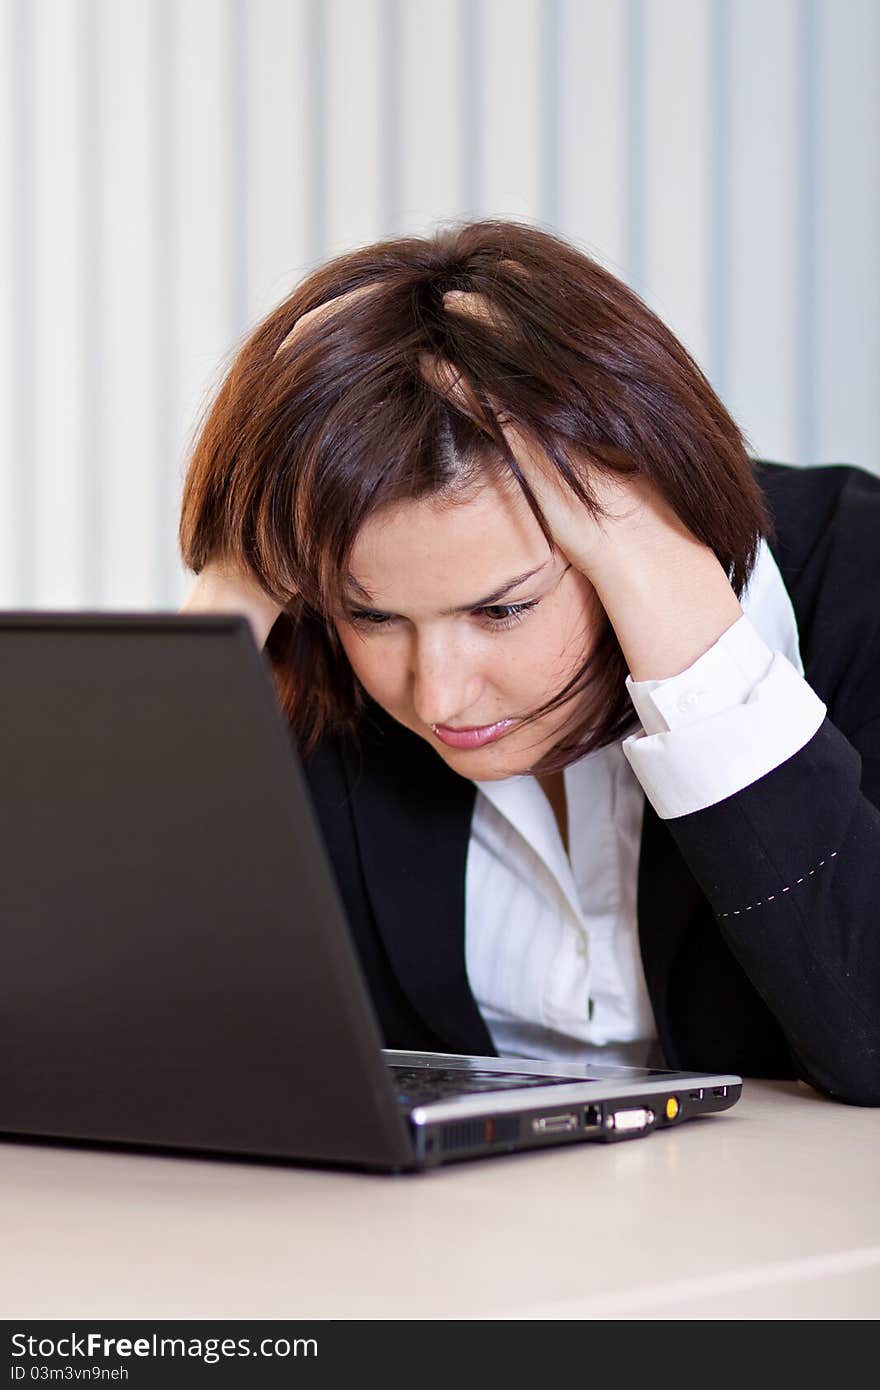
(176, 968)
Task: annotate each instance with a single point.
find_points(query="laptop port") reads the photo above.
(696, 1095)
(719, 1090)
(630, 1121)
(555, 1124)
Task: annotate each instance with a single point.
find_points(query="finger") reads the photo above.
(442, 375)
(466, 301)
(473, 305)
(454, 386)
(447, 379)
(314, 317)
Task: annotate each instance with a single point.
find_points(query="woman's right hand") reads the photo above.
(220, 588)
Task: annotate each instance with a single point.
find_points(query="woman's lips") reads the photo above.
(473, 738)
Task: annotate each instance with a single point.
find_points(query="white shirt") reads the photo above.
(551, 942)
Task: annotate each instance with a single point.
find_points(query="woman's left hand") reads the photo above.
(635, 514)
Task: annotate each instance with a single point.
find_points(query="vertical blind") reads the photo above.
(169, 169)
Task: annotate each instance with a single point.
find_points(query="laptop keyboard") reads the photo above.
(421, 1085)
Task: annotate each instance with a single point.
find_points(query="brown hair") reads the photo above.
(306, 440)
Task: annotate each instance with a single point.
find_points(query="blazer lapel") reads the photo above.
(412, 817)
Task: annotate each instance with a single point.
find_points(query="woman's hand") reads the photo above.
(631, 506)
(666, 594)
(220, 588)
(223, 587)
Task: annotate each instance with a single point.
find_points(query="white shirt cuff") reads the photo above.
(733, 716)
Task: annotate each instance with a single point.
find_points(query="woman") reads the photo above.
(589, 702)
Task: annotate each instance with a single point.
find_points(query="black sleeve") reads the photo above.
(791, 867)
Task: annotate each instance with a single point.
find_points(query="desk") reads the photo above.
(769, 1211)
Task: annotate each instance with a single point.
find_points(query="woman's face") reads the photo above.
(435, 641)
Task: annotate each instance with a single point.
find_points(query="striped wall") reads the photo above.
(170, 168)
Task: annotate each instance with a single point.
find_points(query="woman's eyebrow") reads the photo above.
(494, 597)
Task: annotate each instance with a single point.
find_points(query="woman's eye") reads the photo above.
(506, 614)
(369, 619)
(495, 615)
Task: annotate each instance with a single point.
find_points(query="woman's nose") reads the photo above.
(446, 683)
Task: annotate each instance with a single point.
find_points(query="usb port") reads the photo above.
(555, 1124)
(719, 1090)
(696, 1095)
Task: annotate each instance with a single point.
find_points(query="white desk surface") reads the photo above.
(771, 1210)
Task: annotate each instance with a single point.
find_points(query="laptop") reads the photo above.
(177, 970)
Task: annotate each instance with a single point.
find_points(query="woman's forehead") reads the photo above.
(447, 554)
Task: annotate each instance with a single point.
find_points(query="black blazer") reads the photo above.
(759, 917)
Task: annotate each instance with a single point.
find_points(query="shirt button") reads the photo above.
(689, 700)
